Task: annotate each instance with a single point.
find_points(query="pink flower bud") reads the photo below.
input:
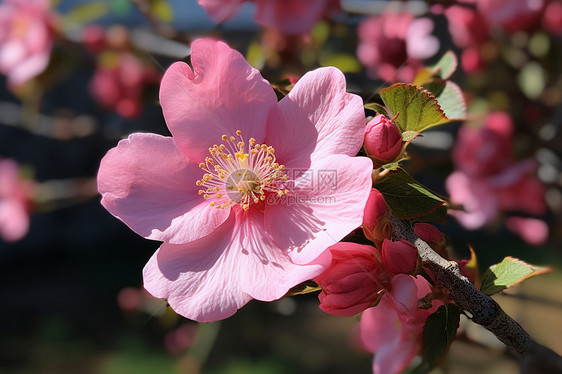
(399, 256)
(353, 281)
(376, 217)
(383, 140)
(428, 233)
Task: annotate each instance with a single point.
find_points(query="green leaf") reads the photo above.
(408, 136)
(379, 109)
(408, 199)
(345, 62)
(87, 12)
(507, 273)
(438, 333)
(304, 287)
(415, 108)
(444, 68)
(391, 166)
(451, 101)
(121, 7)
(162, 10)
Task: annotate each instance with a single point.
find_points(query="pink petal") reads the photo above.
(396, 355)
(269, 272)
(319, 99)
(200, 278)
(150, 185)
(29, 68)
(14, 220)
(210, 278)
(379, 325)
(290, 17)
(221, 10)
(404, 294)
(531, 230)
(313, 217)
(478, 199)
(222, 94)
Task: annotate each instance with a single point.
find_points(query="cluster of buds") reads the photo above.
(360, 274)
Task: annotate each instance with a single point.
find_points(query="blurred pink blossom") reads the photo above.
(487, 181)
(15, 195)
(393, 329)
(552, 18)
(235, 223)
(511, 15)
(25, 39)
(289, 17)
(393, 45)
(119, 81)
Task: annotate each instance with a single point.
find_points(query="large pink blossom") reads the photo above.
(290, 17)
(25, 39)
(393, 329)
(511, 15)
(249, 192)
(14, 202)
(393, 45)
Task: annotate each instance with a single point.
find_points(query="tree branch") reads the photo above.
(481, 308)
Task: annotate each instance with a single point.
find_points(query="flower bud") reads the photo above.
(399, 256)
(432, 236)
(383, 140)
(352, 283)
(376, 218)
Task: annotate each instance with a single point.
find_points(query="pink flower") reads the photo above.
(14, 202)
(119, 80)
(290, 17)
(354, 280)
(393, 45)
(487, 181)
(383, 140)
(552, 18)
(252, 215)
(393, 329)
(511, 15)
(428, 233)
(399, 256)
(531, 230)
(485, 150)
(376, 219)
(25, 39)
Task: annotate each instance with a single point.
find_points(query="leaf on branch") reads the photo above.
(408, 199)
(415, 108)
(303, 288)
(377, 108)
(451, 100)
(444, 68)
(507, 273)
(438, 333)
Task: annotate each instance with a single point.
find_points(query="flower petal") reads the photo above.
(313, 217)
(317, 104)
(220, 10)
(222, 94)
(269, 272)
(211, 278)
(150, 185)
(200, 278)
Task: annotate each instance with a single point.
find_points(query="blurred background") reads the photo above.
(71, 274)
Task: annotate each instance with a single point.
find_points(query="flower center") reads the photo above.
(234, 176)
